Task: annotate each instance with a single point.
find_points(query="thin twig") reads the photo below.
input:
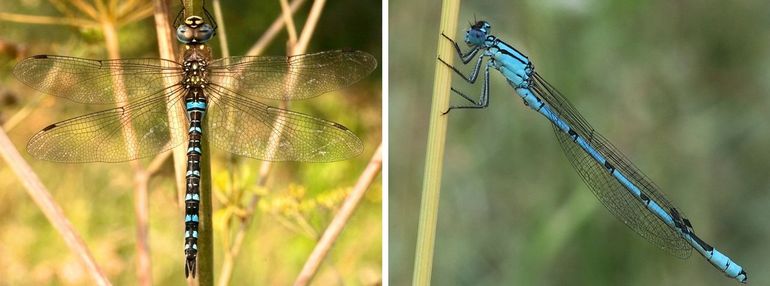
(338, 223)
(309, 28)
(287, 18)
(426, 232)
(156, 163)
(175, 117)
(22, 114)
(136, 15)
(221, 32)
(85, 8)
(272, 31)
(50, 209)
(45, 20)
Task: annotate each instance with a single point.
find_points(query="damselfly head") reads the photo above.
(194, 31)
(477, 34)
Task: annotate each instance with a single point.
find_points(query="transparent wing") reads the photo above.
(248, 128)
(125, 133)
(289, 78)
(97, 81)
(619, 201)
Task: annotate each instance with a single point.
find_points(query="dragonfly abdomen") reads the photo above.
(195, 107)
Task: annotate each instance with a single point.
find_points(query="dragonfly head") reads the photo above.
(194, 31)
(477, 34)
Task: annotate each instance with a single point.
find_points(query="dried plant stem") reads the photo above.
(50, 209)
(309, 28)
(431, 187)
(272, 31)
(22, 114)
(142, 214)
(45, 20)
(221, 32)
(288, 19)
(340, 219)
(141, 179)
(176, 119)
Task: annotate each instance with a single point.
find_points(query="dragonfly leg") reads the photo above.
(483, 99)
(466, 58)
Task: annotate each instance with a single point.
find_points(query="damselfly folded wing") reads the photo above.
(619, 201)
(97, 81)
(291, 78)
(125, 133)
(249, 128)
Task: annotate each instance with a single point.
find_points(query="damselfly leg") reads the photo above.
(466, 58)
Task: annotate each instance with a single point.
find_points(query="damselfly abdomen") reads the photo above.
(626, 192)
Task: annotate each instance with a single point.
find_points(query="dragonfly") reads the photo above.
(623, 189)
(226, 91)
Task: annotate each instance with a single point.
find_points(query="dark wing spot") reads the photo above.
(49, 127)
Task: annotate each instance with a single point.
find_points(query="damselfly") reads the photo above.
(224, 90)
(615, 181)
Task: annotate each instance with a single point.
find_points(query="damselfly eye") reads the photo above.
(475, 37)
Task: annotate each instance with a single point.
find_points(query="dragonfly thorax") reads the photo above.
(195, 74)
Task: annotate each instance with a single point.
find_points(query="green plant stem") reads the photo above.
(426, 232)
(206, 241)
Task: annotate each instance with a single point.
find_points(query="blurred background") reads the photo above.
(681, 87)
(294, 209)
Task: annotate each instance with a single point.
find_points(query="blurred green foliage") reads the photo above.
(682, 87)
(295, 208)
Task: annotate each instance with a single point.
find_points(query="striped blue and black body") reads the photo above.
(195, 106)
(615, 181)
(194, 35)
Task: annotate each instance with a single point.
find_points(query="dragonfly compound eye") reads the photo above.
(204, 33)
(184, 34)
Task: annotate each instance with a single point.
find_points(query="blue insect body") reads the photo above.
(615, 181)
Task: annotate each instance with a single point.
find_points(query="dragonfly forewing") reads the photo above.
(291, 78)
(96, 81)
